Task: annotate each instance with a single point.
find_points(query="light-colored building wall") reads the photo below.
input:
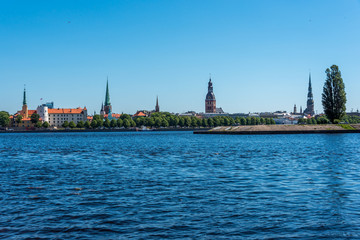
(56, 117)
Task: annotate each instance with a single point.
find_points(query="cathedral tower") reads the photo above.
(107, 105)
(157, 107)
(310, 100)
(210, 101)
(24, 111)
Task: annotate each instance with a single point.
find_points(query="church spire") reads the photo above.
(157, 107)
(24, 98)
(107, 95)
(310, 94)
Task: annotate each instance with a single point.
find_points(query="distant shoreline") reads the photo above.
(283, 129)
(103, 130)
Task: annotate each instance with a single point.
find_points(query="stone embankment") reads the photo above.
(284, 129)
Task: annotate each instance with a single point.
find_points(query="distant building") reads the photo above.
(106, 108)
(157, 107)
(210, 101)
(295, 110)
(57, 116)
(140, 114)
(310, 101)
(25, 113)
(50, 105)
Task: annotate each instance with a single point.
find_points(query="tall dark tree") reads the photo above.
(35, 118)
(4, 118)
(334, 96)
(19, 118)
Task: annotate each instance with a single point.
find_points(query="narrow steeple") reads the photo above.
(24, 98)
(107, 95)
(310, 94)
(210, 86)
(157, 107)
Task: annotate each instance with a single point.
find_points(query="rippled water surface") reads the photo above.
(157, 185)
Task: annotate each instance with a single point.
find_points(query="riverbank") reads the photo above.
(283, 129)
(102, 130)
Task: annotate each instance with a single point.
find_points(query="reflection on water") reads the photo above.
(157, 185)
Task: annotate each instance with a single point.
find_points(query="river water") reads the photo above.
(176, 185)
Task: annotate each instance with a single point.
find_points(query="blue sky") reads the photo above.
(259, 53)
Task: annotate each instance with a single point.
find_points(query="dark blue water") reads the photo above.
(177, 185)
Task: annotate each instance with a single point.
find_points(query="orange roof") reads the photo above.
(114, 115)
(139, 114)
(90, 117)
(30, 112)
(66, 110)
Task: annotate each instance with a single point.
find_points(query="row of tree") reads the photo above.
(324, 120)
(165, 119)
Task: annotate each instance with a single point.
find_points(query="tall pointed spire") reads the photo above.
(107, 95)
(310, 100)
(24, 98)
(157, 107)
(310, 94)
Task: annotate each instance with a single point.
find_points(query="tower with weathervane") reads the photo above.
(210, 101)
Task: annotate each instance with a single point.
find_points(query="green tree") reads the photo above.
(253, 121)
(140, 121)
(119, 122)
(126, 123)
(204, 122)
(99, 122)
(217, 122)
(157, 122)
(150, 122)
(194, 122)
(262, 121)
(132, 123)
(242, 121)
(210, 122)
(98, 117)
(4, 118)
(38, 124)
(334, 96)
(113, 123)
(106, 123)
(87, 124)
(45, 124)
(226, 121)
(125, 116)
(19, 118)
(301, 121)
(35, 118)
(94, 124)
(80, 124)
(65, 124)
(164, 123)
(187, 121)
(72, 124)
(182, 122)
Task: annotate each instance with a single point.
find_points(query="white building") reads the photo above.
(57, 116)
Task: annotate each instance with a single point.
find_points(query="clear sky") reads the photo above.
(259, 53)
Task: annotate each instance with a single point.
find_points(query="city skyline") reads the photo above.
(259, 53)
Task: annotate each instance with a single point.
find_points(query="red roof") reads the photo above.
(114, 115)
(66, 110)
(30, 112)
(139, 114)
